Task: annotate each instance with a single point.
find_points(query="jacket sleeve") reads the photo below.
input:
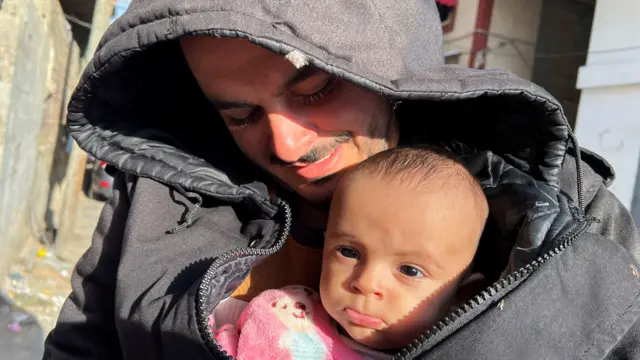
(613, 220)
(615, 223)
(86, 327)
(629, 345)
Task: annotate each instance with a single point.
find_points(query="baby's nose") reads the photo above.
(368, 283)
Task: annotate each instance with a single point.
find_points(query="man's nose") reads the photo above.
(290, 137)
(368, 281)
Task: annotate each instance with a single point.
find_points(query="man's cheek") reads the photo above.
(257, 155)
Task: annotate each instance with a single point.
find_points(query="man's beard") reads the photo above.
(382, 133)
(316, 153)
(384, 129)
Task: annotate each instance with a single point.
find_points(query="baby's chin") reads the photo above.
(375, 339)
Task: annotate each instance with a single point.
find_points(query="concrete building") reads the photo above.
(495, 34)
(540, 40)
(608, 119)
(39, 62)
(40, 168)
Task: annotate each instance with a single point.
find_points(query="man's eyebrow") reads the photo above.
(298, 76)
(227, 105)
(301, 75)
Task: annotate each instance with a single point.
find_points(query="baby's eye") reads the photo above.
(348, 252)
(411, 271)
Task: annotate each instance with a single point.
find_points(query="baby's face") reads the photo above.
(393, 258)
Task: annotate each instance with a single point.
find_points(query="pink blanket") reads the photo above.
(288, 324)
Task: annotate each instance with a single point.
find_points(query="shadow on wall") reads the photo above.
(565, 28)
(61, 151)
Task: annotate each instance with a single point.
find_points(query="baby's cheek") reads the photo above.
(326, 285)
(327, 300)
(325, 296)
(423, 316)
(334, 274)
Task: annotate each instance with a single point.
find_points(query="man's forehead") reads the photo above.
(223, 64)
(208, 46)
(242, 47)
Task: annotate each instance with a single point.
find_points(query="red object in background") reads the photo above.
(450, 3)
(103, 184)
(481, 37)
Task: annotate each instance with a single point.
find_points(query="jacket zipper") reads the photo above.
(201, 303)
(419, 345)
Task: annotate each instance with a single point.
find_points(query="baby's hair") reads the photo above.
(416, 166)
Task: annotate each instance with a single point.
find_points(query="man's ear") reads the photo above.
(469, 287)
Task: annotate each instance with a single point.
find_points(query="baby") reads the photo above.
(403, 229)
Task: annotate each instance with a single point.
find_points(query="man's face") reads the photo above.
(301, 125)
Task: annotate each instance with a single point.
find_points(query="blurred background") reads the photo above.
(584, 52)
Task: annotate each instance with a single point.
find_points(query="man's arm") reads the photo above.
(628, 347)
(86, 327)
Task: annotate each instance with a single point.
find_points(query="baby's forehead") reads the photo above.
(452, 176)
(418, 246)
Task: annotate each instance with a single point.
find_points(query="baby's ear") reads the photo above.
(469, 287)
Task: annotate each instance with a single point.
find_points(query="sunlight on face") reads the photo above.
(303, 126)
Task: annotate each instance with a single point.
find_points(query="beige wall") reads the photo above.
(34, 48)
(607, 121)
(459, 39)
(519, 20)
(514, 19)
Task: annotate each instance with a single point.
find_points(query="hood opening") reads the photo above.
(153, 110)
(525, 133)
(138, 107)
(147, 116)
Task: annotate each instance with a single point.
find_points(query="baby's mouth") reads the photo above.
(363, 320)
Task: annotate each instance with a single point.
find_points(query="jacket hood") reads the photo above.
(137, 103)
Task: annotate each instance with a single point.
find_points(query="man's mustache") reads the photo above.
(316, 153)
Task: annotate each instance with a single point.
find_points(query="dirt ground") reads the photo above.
(39, 279)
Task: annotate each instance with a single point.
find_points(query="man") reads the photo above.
(231, 124)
